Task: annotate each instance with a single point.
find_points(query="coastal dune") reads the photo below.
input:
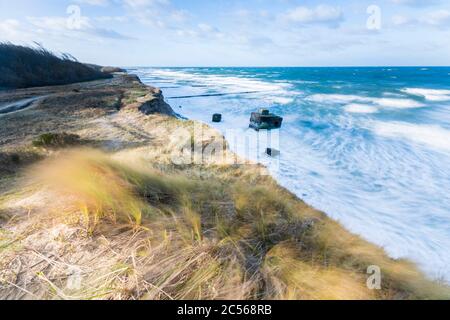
(112, 216)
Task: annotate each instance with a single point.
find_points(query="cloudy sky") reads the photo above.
(235, 32)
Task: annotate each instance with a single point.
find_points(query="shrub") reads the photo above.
(49, 140)
(22, 67)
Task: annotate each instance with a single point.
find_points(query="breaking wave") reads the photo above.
(378, 102)
(430, 135)
(429, 94)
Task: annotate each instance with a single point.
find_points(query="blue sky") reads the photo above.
(235, 33)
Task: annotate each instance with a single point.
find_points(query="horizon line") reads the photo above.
(356, 66)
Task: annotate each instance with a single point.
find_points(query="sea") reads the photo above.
(369, 146)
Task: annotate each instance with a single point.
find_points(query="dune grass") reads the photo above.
(23, 67)
(56, 140)
(228, 237)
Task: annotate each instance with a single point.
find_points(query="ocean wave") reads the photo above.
(429, 135)
(280, 100)
(337, 98)
(352, 99)
(398, 103)
(275, 92)
(360, 108)
(230, 83)
(429, 94)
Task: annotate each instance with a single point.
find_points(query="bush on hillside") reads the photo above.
(23, 67)
(54, 140)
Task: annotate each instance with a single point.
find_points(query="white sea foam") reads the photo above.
(360, 108)
(278, 92)
(430, 135)
(352, 99)
(337, 98)
(232, 84)
(398, 103)
(429, 94)
(280, 100)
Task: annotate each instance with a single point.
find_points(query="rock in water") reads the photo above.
(264, 120)
(217, 117)
(273, 152)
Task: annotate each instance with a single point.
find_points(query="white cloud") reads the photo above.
(153, 13)
(9, 28)
(145, 3)
(207, 28)
(58, 26)
(187, 33)
(416, 3)
(119, 19)
(58, 23)
(179, 16)
(322, 14)
(437, 18)
(101, 3)
(400, 20)
(202, 30)
(14, 31)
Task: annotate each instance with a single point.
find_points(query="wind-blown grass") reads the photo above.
(23, 67)
(227, 237)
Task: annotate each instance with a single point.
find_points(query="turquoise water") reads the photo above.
(369, 146)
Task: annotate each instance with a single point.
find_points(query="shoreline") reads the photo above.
(133, 134)
(355, 174)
